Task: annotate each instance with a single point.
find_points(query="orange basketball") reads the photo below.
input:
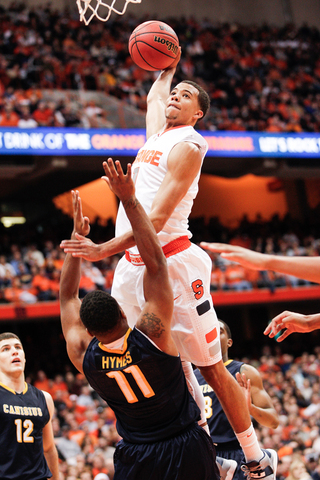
(153, 45)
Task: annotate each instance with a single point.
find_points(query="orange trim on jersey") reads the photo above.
(175, 246)
(173, 128)
(13, 391)
(112, 350)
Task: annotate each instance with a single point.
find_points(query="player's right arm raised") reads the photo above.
(157, 96)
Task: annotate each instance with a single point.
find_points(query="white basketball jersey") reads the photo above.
(149, 170)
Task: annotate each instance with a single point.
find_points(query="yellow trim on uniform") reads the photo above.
(112, 350)
(13, 391)
(228, 362)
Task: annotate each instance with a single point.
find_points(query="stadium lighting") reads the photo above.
(10, 221)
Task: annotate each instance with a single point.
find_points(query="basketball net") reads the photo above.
(88, 9)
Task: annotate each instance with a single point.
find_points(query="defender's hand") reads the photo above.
(120, 184)
(81, 224)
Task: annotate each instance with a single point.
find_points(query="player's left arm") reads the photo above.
(184, 163)
(49, 448)
(259, 402)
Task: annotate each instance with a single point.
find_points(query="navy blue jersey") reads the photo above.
(220, 429)
(144, 386)
(22, 418)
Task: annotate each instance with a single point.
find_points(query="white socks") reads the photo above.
(249, 444)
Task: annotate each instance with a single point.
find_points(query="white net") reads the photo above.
(101, 9)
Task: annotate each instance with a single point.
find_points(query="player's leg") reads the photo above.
(196, 331)
(234, 405)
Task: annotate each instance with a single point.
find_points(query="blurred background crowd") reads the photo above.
(30, 269)
(259, 78)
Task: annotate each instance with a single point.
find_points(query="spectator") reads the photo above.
(236, 278)
(33, 256)
(298, 471)
(68, 449)
(43, 115)
(42, 382)
(26, 120)
(16, 294)
(85, 398)
(8, 117)
(7, 272)
(41, 284)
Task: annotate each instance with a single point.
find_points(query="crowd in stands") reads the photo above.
(85, 433)
(30, 271)
(259, 78)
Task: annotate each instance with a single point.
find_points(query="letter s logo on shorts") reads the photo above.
(197, 288)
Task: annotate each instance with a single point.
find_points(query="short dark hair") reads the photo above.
(8, 335)
(203, 97)
(227, 328)
(99, 312)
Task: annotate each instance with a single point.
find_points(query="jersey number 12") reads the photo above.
(24, 436)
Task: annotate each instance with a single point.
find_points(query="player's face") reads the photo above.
(182, 106)
(224, 340)
(12, 357)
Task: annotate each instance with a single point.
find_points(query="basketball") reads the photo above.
(153, 45)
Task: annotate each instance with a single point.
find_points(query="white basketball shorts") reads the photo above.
(195, 326)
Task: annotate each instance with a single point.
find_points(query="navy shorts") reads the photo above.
(189, 456)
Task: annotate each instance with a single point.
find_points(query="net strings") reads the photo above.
(88, 11)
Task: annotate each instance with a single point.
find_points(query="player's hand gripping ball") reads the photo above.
(153, 45)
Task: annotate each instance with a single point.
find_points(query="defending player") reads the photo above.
(259, 404)
(137, 372)
(27, 449)
(166, 173)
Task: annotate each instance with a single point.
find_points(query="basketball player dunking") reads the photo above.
(166, 173)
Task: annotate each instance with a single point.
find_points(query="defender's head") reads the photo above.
(100, 313)
(225, 338)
